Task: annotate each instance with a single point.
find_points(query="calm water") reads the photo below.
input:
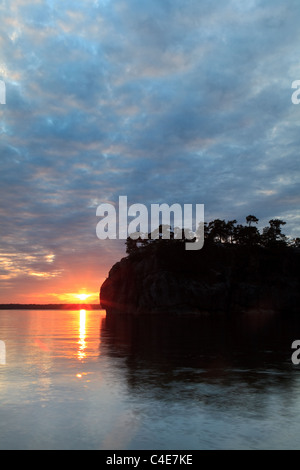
(76, 380)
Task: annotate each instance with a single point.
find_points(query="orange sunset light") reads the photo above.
(75, 297)
(83, 296)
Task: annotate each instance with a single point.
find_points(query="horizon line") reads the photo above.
(33, 305)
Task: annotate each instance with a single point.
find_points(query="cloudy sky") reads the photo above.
(185, 101)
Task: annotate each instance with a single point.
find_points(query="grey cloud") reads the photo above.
(161, 101)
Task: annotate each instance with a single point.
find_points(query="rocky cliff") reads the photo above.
(215, 280)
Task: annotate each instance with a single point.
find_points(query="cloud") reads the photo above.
(172, 101)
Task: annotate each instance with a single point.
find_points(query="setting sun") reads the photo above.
(79, 296)
(83, 296)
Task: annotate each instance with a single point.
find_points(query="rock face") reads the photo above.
(215, 280)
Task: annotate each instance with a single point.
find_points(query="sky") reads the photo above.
(164, 101)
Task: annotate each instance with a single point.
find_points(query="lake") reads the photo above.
(79, 380)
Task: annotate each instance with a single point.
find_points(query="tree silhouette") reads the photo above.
(295, 242)
(251, 218)
(246, 235)
(131, 246)
(215, 232)
(230, 227)
(272, 235)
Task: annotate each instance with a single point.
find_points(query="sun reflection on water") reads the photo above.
(82, 334)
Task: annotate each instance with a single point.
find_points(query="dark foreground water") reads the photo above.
(79, 380)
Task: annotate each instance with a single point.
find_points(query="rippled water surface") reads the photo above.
(79, 380)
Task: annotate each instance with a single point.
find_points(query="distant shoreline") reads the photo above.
(50, 307)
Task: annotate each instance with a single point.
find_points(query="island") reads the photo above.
(238, 270)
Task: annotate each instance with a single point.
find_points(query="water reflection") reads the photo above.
(147, 383)
(81, 354)
(2, 353)
(211, 360)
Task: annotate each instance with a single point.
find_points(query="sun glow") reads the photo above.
(83, 296)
